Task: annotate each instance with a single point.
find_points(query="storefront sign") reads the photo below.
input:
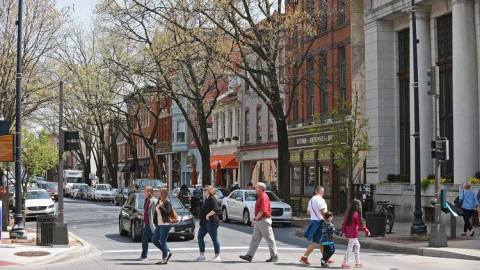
(6, 148)
(295, 156)
(309, 140)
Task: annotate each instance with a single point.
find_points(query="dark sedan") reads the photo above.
(196, 201)
(130, 221)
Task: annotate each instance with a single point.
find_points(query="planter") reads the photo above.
(221, 140)
(235, 138)
(228, 139)
(213, 141)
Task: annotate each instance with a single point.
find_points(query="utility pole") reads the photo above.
(418, 226)
(18, 229)
(60, 154)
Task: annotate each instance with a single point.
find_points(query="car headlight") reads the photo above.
(51, 206)
(288, 209)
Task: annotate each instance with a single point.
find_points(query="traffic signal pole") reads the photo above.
(18, 230)
(60, 154)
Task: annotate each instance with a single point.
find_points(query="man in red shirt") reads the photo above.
(262, 226)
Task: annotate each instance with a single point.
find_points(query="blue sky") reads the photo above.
(83, 9)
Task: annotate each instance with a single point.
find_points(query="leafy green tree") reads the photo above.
(39, 154)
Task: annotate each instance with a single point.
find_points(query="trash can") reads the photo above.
(45, 229)
(376, 223)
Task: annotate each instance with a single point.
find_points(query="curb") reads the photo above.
(419, 251)
(76, 252)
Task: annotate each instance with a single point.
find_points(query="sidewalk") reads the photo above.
(26, 253)
(400, 241)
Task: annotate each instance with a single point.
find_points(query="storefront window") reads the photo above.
(296, 180)
(310, 181)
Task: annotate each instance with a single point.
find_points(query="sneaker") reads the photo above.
(142, 259)
(163, 261)
(324, 263)
(464, 234)
(216, 259)
(304, 260)
(247, 258)
(345, 266)
(169, 256)
(358, 265)
(200, 258)
(272, 259)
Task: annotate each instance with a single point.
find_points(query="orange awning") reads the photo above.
(225, 161)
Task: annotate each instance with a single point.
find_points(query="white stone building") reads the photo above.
(448, 33)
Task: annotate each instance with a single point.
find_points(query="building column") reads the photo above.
(425, 100)
(477, 31)
(465, 91)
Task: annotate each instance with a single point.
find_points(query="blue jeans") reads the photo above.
(146, 237)
(211, 228)
(160, 237)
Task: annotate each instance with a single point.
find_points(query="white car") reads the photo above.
(103, 192)
(38, 202)
(77, 189)
(240, 205)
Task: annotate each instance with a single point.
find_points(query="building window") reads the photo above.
(323, 16)
(180, 131)
(230, 123)
(259, 123)
(215, 127)
(444, 61)
(295, 109)
(341, 12)
(247, 129)
(310, 84)
(323, 82)
(270, 127)
(342, 75)
(296, 183)
(238, 123)
(404, 101)
(224, 124)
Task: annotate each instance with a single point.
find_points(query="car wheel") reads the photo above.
(133, 232)
(246, 217)
(190, 237)
(225, 215)
(121, 230)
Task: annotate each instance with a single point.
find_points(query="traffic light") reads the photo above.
(432, 84)
(440, 149)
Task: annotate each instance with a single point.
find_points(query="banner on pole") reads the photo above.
(6, 148)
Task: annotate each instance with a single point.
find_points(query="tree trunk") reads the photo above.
(205, 153)
(283, 169)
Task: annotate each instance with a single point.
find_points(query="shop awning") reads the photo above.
(225, 161)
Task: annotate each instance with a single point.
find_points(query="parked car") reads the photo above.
(103, 192)
(82, 192)
(38, 202)
(240, 205)
(90, 193)
(77, 190)
(130, 220)
(196, 201)
(141, 183)
(121, 196)
(52, 188)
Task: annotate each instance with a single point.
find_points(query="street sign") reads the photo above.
(4, 127)
(71, 139)
(6, 148)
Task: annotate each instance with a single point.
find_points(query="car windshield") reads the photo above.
(219, 194)
(103, 187)
(156, 183)
(176, 203)
(252, 196)
(140, 200)
(74, 180)
(37, 195)
(51, 185)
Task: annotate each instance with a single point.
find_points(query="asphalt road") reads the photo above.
(97, 223)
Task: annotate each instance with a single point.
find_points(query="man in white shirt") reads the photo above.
(317, 207)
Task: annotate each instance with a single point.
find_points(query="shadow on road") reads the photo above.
(117, 237)
(303, 266)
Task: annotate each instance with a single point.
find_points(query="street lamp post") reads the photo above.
(18, 229)
(418, 226)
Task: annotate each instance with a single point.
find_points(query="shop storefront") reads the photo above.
(311, 164)
(224, 170)
(258, 163)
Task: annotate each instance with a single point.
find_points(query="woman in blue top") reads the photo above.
(468, 199)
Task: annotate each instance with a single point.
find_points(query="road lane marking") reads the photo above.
(196, 249)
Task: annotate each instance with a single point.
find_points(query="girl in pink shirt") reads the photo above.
(352, 223)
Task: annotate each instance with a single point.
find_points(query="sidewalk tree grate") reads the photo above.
(32, 253)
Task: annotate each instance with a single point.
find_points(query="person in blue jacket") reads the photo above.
(469, 204)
